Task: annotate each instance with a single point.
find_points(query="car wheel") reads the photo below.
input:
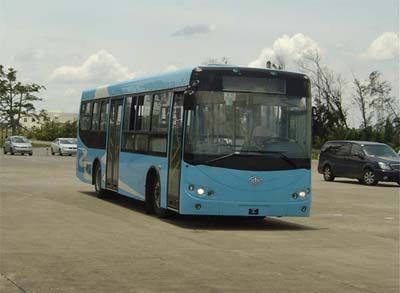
(100, 192)
(4, 151)
(12, 151)
(328, 175)
(52, 152)
(369, 177)
(61, 154)
(30, 154)
(156, 199)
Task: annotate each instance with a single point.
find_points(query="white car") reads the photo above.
(17, 144)
(63, 146)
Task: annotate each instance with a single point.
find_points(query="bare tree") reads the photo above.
(327, 91)
(373, 98)
(361, 98)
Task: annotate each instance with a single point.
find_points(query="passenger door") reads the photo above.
(340, 159)
(113, 146)
(175, 151)
(355, 162)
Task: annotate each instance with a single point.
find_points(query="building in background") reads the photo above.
(31, 122)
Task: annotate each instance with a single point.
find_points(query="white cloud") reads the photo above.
(192, 30)
(290, 49)
(384, 47)
(101, 67)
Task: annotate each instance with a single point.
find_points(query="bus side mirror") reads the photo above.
(189, 100)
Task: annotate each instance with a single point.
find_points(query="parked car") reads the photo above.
(63, 146)
(369, 162)
(17, 144)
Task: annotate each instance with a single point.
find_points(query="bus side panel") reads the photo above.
(233, 195)
(85, 158)
(133, 168)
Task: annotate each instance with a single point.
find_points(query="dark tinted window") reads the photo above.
(356, 149)
(143, 113)
(160, 113)
(103, 116)
(85, 116)
(96, 116)
(130, 113)
(336, 148)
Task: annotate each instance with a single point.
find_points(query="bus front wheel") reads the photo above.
(100, 192)
(154, 205)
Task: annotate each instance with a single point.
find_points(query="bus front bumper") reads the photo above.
(191, 206)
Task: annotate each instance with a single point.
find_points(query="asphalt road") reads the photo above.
(56, 236)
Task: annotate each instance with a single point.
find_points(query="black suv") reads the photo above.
(369, 162)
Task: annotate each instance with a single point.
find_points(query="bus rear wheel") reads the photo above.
(100, 192)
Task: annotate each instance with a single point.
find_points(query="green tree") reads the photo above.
(16, 99)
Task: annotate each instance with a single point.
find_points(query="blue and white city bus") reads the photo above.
(210, 140)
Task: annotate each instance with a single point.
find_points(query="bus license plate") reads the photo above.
(253, 211)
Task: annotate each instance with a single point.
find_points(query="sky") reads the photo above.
(68, 46)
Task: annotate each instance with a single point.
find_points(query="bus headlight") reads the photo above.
(301, 194)
(200, 191)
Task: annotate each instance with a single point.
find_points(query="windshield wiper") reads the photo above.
(281, 155)
(221, 157)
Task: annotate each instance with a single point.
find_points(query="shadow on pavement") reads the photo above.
(382, 184)
(208, 222)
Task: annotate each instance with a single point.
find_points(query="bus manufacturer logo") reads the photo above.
(254, 180)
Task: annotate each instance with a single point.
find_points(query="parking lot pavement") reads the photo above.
(56, 236)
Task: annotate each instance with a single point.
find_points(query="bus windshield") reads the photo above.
(224, 123)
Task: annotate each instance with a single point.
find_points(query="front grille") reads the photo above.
(395, 166)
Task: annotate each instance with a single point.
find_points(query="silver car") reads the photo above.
(17, 144)
(63, 146)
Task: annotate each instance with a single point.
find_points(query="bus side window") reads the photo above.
(143, 113)
(129, 123)
(103, 116)
(86, 116)
(160, 115)
(96, 116)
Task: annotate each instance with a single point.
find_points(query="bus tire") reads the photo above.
(155, 195)
(100, 192)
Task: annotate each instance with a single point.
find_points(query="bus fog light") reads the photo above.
(304, 209)
(197, 206)
(191, 187)
(200, 191)
(295, 195)
(210, 193)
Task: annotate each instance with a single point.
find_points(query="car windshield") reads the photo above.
(380, 150)
(68, 141)
(19, 139)
(223, 123)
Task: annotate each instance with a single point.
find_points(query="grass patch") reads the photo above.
(40, 144)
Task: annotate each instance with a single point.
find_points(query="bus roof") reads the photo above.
(168, 80)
